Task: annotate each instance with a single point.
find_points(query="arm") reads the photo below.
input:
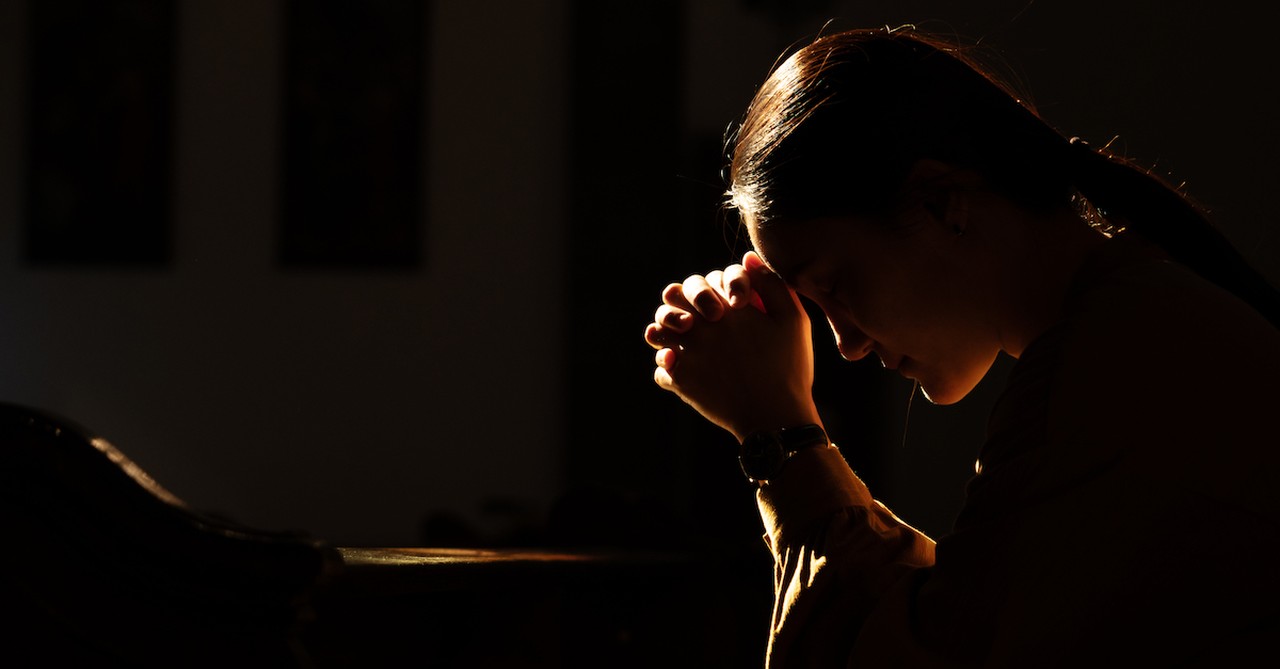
(838, 556)
(836, 550)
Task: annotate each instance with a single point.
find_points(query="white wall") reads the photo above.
(344, 404)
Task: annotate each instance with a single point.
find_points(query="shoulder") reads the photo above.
(1160, 319)
(1174, 373)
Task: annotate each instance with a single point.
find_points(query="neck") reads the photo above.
(1042, 261)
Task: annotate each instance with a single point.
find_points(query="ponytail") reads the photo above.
(837, 126)
(1149, 207)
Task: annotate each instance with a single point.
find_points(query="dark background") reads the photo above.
(382, 275)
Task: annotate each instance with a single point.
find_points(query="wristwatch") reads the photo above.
(763, 453)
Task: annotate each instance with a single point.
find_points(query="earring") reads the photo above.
(957, 230)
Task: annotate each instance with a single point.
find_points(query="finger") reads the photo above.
(705, 299)
(715, 279)
(772, 290)
(737, 285)
(659, 337)
(666, 358)
(662, 378)
(752, 262)
(673, 319)
(674, 296)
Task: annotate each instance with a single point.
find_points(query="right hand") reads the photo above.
(744, 369)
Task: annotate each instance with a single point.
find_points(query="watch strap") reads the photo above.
(763, 454)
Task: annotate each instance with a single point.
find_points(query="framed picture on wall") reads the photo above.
(352, 167)
(99, 141)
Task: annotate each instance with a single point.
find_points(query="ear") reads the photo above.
(935, 192)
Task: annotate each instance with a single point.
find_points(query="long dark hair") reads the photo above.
(838, 124)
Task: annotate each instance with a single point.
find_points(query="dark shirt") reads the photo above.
(1126, 511)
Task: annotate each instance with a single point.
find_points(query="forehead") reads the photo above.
(792, 248)
(784, 248)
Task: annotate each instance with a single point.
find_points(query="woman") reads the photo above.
(1124, 512)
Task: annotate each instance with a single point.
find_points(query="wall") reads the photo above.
(353, 404)
(346, 404)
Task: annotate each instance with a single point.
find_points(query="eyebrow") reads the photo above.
(786, 273)
(768, 265)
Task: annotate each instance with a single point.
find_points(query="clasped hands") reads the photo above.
(735, 344)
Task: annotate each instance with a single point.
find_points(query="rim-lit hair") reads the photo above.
(837, 126)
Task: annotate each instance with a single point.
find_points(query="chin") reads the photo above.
(943, 394)
(939, 399)
(948, 386)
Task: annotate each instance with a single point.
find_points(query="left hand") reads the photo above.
(743, 369)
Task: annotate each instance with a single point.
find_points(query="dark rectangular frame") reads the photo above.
(99, 118)
(352, 167)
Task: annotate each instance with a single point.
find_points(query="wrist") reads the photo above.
(763, 421)
(764, 453)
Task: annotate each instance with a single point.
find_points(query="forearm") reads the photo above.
(838, 553)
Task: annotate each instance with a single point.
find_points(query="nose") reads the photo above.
(854, 345)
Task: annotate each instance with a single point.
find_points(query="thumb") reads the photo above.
(773, 292)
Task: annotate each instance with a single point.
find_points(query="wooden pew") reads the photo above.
(101, 566)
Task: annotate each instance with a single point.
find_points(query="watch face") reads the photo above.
(761, 456)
